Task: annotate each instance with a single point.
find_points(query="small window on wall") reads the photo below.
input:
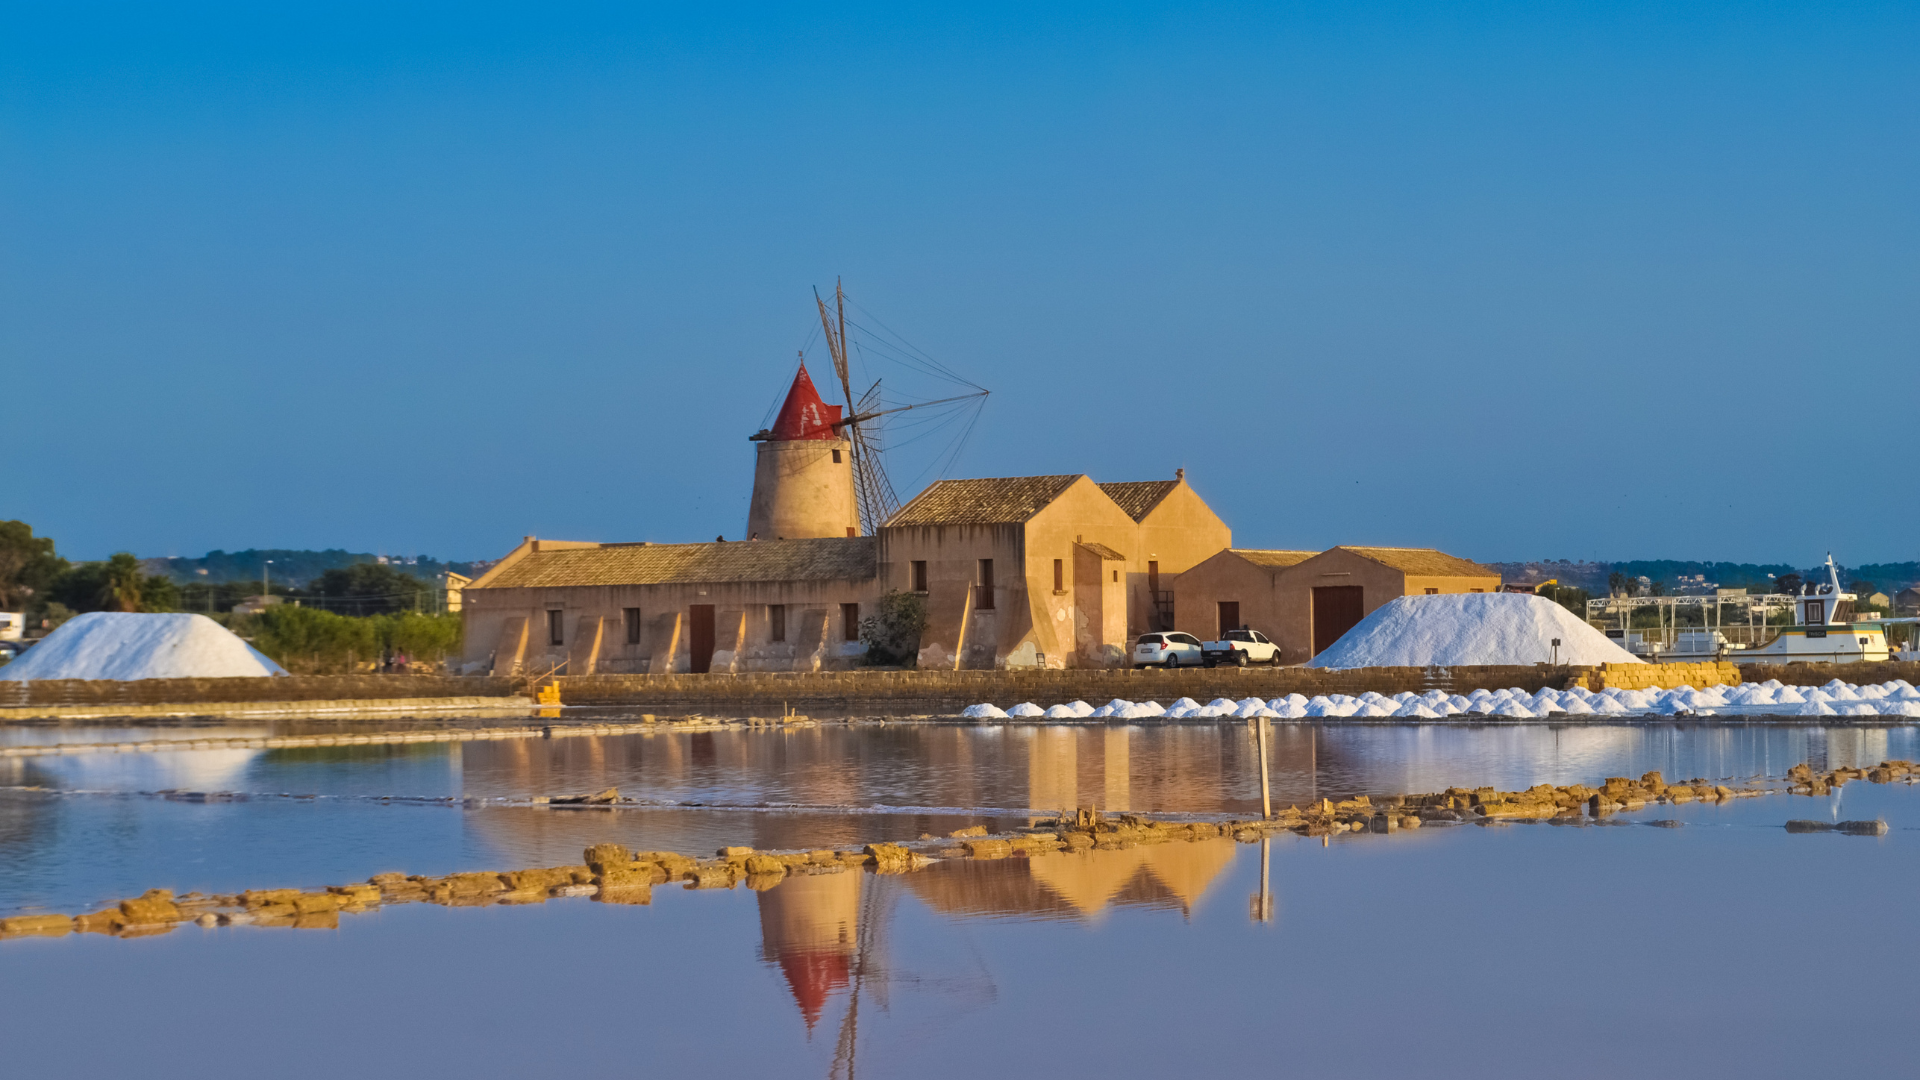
(850, 618)
(556, 623)
(776, 622)
(633, 625)
(1116, 577)
(836, 457)
(985, 600)
(1476, 590)
(1436, 592)
(1059, 575)
(919, 583)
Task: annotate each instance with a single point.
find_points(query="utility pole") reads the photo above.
(265, 590)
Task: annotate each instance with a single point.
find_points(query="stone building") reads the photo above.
(1025, 571)
(1304, 601)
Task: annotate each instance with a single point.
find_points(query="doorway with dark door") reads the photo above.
(1336, 608)
(1229, 616)
(700, 638)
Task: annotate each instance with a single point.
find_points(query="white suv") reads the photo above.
(1171, 649)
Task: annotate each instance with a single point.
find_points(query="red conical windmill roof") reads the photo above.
(813, 975)
(805, 416)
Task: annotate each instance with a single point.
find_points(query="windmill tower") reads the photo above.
(803, 473)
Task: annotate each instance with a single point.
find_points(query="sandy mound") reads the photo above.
(1470, 628)
(115, 645)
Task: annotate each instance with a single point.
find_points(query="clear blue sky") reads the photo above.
(1526, 280)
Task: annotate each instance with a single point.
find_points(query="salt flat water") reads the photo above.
(1591, 950)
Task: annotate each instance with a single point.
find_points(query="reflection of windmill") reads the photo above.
(873, 490)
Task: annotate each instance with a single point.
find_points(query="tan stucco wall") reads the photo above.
(505, 624)
(1227, 576)
(799, 491)
(959, 633)
(1180, 533)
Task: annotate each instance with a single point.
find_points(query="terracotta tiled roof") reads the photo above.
(826, 559)
(1276, 559)
(1138, 497)
(1423, 562)
(1106, 553)
(1000, 501)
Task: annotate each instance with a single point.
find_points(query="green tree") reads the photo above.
(892, 634)
(370, 589)
(1573, 599)
(308, 641)
(28, 566)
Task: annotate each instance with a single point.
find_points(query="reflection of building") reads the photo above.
(809, 926)
(1076, 885)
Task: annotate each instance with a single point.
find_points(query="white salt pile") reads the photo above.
(1470, 629)
(117, 645)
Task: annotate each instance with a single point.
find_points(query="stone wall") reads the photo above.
(1668, 676)
(331, 688)
(945, 692)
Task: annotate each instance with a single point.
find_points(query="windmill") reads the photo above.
(873, 490)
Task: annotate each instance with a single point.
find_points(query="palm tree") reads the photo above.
(120, 588)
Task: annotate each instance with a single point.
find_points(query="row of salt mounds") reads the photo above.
(1470, 630)
(1836, 698)
(123, 646)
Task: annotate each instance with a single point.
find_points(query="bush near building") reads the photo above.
(307, 641)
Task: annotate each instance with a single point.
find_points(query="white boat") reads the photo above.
(1824, 630)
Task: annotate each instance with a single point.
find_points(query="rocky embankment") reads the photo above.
(611, 873)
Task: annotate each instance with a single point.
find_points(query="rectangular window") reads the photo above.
(851, 531)
(1153, 577)
(1116, 577)
(919, 575)
(633, 625)
(1434, 592)
(556, 622)
(836, 457)
(1059, 575)
(984, 602)
(1476, 590)
(776, 622)
(850, 616)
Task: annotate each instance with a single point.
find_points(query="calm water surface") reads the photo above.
(1724, 947)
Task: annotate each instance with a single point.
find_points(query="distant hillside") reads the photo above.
(1592, 576)
(297, 567)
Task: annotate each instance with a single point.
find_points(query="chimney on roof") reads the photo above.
(1179, 474)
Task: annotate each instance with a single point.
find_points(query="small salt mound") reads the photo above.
(1607, 706)
(1444, 707)
(1467, 629)
(1142, 710)
(127, 646)
(1891, 707)
(1513, 708)
(1372, 709)
(1026, 709)
(1772, 684)
(1080, 708)
(983, 712)
(1246, 701)
(1856, 708)
(1061, 712)
(1871, 692)
(1751, 695)
(1287, 710)
(1905, 693)
(1403, 697)
(1184, 704)
(1817, 695)
(1843, 692)
(1223, 703)
(1813, 708)
(1252, 707)
(1321, 706)
(1371, 696)
(1416, 710)
(1574, 706)
(1788, 695)
(1460, 703)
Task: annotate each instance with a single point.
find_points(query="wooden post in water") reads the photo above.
(1266, 791)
